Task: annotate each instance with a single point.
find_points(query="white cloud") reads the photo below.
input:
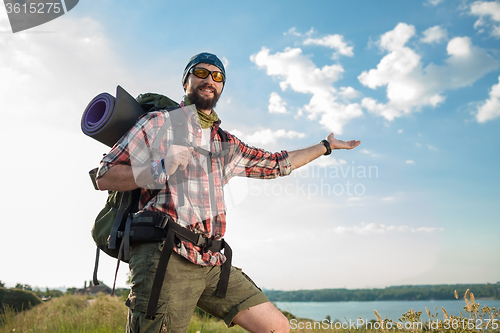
(4, 23)
(276, 104)
(293, 31)
(411, 86)
(298, 72)
(268, 136)
(490, 109)
(435, 34)
(335, 42)
(373, 228)
(48, 76)
(348, 93)
(434, 2)
(381, 109)
(459, 47)
(57, 74)
(489, 16)
(239, 134)
(397, 38)
(410, 162)
(52, 75)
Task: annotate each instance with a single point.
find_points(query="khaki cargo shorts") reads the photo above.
(186, 285)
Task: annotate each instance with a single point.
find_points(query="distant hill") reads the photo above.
(396, 293)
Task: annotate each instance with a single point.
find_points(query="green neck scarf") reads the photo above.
(206, 121)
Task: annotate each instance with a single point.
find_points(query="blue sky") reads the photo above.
(416, 81)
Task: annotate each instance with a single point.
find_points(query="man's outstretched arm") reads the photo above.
(301, 157)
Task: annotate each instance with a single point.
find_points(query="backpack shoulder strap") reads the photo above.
(225, 145)
(180, 128)
(179, 125)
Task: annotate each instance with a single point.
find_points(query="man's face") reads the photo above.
(204, 93)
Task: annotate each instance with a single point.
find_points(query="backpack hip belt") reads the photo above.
(148, 226)
(154, 224)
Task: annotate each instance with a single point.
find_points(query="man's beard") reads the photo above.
(201, 102)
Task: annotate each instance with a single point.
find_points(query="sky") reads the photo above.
(418, 82)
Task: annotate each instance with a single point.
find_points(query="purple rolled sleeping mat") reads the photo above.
(106, 118)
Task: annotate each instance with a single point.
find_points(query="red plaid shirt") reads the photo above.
(196, 213)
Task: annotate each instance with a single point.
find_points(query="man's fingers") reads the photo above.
(353, 144)
(178, 157)
(183, 160)
(182, 154)
(185, 157)
(340, 144)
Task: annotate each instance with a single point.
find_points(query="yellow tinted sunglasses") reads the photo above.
(203, 73)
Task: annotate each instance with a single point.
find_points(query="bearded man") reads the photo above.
(198, 272)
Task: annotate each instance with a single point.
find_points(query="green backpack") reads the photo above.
(109, 224)
(109, 229)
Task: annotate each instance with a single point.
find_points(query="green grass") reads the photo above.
(68, 314)
(107, 314)
(76, 313)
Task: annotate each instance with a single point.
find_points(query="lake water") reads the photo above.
(392, 309)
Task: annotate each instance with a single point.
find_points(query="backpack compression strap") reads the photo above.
(125, 245)
(179, 126)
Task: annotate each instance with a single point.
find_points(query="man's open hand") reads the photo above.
(340, 144)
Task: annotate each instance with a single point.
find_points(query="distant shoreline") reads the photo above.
(393, 300)
(487, 291)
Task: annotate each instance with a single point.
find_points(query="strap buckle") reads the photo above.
(201, 241)
(162, 221)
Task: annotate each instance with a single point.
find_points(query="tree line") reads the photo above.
(395, 293)
(52, 293)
